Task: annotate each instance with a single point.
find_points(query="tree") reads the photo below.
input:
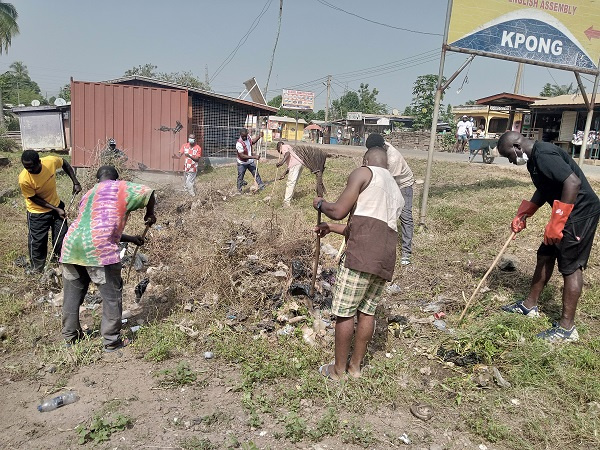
(19, 69)
(17, 87)
(347, 102)
(147, 70)
(554, 90)
(423, 100)
(185, 78)
(275, 102)
(65, 92)
(8, 25)
(368, 101)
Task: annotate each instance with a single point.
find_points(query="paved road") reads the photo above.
(590, 170)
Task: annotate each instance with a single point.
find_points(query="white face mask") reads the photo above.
(521, 160)
(191, 141)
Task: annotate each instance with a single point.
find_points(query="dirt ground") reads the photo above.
(224, 274)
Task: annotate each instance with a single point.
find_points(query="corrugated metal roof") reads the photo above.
(567, 100)
(167, 84)
(23, 109)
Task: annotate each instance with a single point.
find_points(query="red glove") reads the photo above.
(554, 230)
(527, 209)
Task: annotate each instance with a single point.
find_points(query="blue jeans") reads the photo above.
(242, 171)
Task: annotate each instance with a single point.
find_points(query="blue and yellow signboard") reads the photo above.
(562, 34)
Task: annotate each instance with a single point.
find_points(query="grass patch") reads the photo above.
(100, 429)
(160, 341)
(181, 375)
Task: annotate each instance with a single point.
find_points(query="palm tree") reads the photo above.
(19, 72)
(8, 25)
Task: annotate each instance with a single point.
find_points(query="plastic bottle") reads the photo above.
(57, 402)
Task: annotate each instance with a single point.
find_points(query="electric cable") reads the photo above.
(337, 8)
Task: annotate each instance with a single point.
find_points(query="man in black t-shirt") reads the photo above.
(569, 234)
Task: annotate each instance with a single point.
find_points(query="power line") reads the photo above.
(391, 64)
(242, 40)
(337, 8)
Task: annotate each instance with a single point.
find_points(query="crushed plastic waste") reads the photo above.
(141, 288)
(452, 356)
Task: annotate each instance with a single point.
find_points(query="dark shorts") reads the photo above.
(574, 249)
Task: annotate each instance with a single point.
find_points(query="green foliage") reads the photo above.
(423, 100)
(159, 341)
(368, 103)
(8, 25)
(553, 90)
(484, 424)
(347, 102)
(17, 87)
(100, 429)
(65, 92)
(295, 427)
(8, 145)
(185, 78)
(195, 443)
(328, 425)
(146, 70)
(354, 434)
(180, 376)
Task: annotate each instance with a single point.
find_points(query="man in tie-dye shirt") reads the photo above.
(90, 252)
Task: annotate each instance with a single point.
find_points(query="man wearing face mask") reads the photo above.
(568, 236)
(192, 153)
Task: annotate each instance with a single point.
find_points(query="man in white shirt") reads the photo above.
(461, 134)
(246, 159)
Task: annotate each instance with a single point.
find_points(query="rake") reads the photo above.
(314, 159)
(510, 238)
(137, 247)
(67, 209)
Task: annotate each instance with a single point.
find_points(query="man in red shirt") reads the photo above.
(192, 153)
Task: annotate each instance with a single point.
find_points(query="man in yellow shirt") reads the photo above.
(45, 210)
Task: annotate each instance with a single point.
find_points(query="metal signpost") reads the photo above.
(559, 34)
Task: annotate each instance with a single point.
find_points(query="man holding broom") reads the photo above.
(374, 202)
(293, 171)
(45, 210)
(246, 159)
(91, 253)
(568, 236)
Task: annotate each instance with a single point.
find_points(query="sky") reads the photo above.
(96, 41)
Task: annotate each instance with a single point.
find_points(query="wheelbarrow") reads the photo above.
(487, 147)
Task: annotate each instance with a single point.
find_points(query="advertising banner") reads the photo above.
(561, 34)
(298, 100)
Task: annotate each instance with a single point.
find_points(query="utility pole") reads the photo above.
(328, 94)
(518, 78)
(206, 80)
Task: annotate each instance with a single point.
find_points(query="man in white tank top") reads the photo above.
(374, 202)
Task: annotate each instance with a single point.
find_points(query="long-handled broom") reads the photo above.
(314, 159)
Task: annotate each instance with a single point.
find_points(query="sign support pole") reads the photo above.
(588, 121)
(296, 130)
(436, 108)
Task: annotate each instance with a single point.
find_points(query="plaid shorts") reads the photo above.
(355, 290)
